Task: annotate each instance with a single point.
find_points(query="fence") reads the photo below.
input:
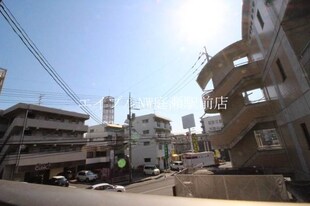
(232, 187)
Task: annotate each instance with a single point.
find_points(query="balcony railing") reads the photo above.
(50, 157)
(239, 125)
(231, 82)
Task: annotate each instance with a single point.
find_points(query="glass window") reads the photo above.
(260, 19)
(267, 138)
(306, 133)
(281, 69)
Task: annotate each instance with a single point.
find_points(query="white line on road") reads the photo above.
(157, 189)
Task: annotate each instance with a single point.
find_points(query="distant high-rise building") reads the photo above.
(108, 109)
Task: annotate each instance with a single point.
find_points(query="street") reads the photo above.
(162, 186)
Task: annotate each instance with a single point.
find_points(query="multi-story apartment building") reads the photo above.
(38, 142)
(151, 141)
(105, 147)
(261, 84)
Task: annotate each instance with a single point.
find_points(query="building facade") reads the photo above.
(263, 82)
(212, 124)
(105, 147)
(151, 141)
(39, 142)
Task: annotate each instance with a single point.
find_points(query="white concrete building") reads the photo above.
(151, 141)
(212, 123)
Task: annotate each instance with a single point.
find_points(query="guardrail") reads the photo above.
(19, 193)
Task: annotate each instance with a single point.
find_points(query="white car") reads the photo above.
(107, 187)
(151, 170)
(176, 165)
(86, 175)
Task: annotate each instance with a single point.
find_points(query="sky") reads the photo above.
(148, 48)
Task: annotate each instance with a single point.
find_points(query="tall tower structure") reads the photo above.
(108, 109)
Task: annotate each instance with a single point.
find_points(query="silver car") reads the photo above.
(86, 175)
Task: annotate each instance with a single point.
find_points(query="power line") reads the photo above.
(9, 17)
(187, 77)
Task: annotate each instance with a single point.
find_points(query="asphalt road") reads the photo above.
(161, 186)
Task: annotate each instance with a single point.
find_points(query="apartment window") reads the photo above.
(158, 124)
(28, 132)
(101, 154)
(90, 154)
(147, 160)
(306, 133)
(241, 61)
(160, 146)
(91, 130)
(145, 121)
(260, 19)
(267, 139)
(31, 115)
(281, 69)
(146, 143)
(146, 131)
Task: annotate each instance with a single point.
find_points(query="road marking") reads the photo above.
(157, 189)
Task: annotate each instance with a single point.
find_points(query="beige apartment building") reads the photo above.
(38, 142)
(105, 147)
(261, 89)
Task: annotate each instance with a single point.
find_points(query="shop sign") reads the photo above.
(44, 166)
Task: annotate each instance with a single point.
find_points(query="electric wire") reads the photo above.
(42, 60)
(187, 78)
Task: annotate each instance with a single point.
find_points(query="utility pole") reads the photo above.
(129, 117)
(40, 99)
(206, 53)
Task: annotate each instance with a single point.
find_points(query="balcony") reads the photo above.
(15, 139)
(39, 123)
(53, 157)
(97, 160)
(241, 124)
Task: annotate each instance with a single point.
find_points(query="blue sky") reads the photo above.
(105, 47)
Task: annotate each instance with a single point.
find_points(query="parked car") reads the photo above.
(151, 170)
(86, 175)
(107, 187)
(59, 181)
(176, 165)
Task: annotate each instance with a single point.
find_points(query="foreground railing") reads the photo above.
(18, 193)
